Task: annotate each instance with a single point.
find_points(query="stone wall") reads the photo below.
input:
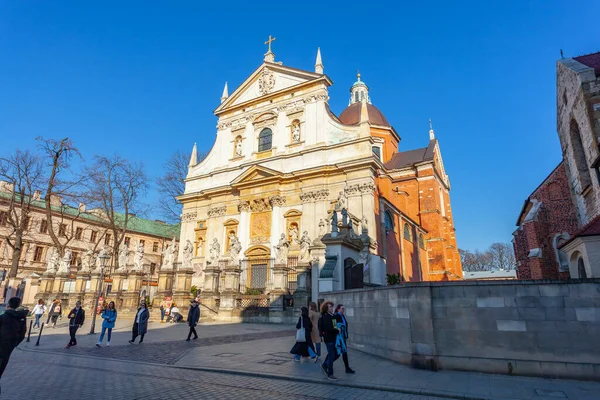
(509, 327)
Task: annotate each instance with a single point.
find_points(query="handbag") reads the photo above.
(301, 333)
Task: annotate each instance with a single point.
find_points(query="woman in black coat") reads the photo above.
(306, 348)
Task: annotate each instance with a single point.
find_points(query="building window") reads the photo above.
(74, 257)
(265, 140)
(78, 233)
(3, 218)
(127, 240)
(62, 230)
(152, 268)
(407, 234)
(377, 151)
(26, 223)
(155, 247)
(39, 251)
(107, 239)
(579, 156)
(44, 226)
(388, 222)
(93, 236)
(421, 241)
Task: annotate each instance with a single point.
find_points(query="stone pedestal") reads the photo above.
(46, 284)
(89, 299)
(211, 279)
(117, 283)
(59, 285)
(80, 283)
(131, 297)
(165, 285)
(181, 294)
(231, 291)
(302, 294)
(279, 288)
(317, 253)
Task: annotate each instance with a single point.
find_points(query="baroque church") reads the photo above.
(282, 162)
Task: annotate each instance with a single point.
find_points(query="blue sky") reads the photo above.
(141, 78)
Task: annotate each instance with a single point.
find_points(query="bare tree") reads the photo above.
(23, 174)
(172, 184)
(116, 187)
(476, 260)
(503, 256)
(62, 187)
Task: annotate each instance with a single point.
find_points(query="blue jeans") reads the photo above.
(102, 334)
(332, 355)
(311, 354)
(37, 320)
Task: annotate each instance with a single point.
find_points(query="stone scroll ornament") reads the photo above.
(138, 257)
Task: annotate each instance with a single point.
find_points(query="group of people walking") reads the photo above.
(329, 327)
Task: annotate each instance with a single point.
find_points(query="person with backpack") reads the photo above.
(109, 316)
(329, 332)
(76, 319)
(13, 325)
(342, 324)
(38, 311)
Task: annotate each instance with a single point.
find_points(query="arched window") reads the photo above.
(356, 97)
(581, 269)
(579, 156)
(377, 151)
(421, 241)
(388, 221)
(407, 234)
(265, 140)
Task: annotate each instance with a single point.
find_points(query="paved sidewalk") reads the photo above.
(263, 350)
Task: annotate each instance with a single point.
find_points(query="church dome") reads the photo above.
(351, 115)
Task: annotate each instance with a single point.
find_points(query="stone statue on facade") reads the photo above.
(344, 217)
(364, 226)
(168, 257)
(138, 257)
(65, 263)
(296, 132)
(104, 253)
(334, 222)
(322, 231)
(188, 253)
(88, 260)
(363, 258)
(215, 251)
(342, 202)
(238, 148)
(123, 257)
(235, 248)
(282, 249)
(52, 258)
(304, 247)
(294, 234)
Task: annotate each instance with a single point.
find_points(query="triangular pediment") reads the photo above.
(256, 173)
(266, 80)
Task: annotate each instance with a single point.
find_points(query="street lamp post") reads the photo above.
(103, 260)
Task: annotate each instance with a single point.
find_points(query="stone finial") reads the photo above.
(319, 63)
(431, 132)
(225, 94)
(194, 157)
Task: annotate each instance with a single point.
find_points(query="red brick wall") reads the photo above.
(556, 215)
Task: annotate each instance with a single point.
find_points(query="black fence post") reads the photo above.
(40, 335)
(29, 332)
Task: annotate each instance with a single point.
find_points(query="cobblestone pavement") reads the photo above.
(32, 374)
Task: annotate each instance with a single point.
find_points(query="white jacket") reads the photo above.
(39, 309)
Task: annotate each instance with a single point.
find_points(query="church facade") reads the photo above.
(281, 163)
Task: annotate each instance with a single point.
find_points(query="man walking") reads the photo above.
(12, 330)
(76, 319)
(193, 318)
(329, 332)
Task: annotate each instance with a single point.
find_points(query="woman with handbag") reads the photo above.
(304, 346)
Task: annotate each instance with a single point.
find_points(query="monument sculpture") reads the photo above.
(304, 247)
(188, 253)
(235, 249)
(52, 258)
(215, 251)
(65, 263)
(282, 249)
(138, 258)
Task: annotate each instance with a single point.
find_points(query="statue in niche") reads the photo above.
(305, 247)
(138, 258)
(52, 258)
(342, 202)
(294, 234)
(200, 246)
(296, 132)
(215, 251)
(235, 248)
(89, 259)
(238, 147)
(65, 263)
(282, 249)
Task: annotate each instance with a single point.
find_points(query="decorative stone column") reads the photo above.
(280, 287)
(210, 293)
(302, 294)
(46, 285)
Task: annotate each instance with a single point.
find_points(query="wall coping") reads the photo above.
(513, 282)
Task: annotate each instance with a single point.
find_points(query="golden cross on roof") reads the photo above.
(271, 39)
